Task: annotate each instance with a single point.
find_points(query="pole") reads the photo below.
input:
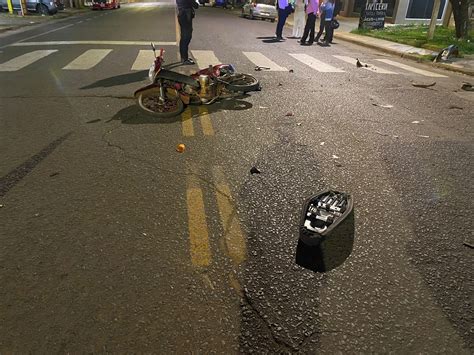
(447, 14)
(434, 18)
(10, 6)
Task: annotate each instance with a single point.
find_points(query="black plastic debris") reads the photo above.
(424, 86)
(467, 87)
(254, 170)
(358, 63)
(446, 53)
(326, 233)
(260, 68)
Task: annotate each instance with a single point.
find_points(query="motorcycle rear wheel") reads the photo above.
(243, 83)
(149, 102)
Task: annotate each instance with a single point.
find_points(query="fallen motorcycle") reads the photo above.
(171, 91)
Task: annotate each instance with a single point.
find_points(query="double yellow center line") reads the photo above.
(204, 119)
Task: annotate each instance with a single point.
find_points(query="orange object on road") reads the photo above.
(180, 148)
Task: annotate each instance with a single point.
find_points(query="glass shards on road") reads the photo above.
(326, 231)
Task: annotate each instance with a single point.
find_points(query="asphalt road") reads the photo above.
(111, 241)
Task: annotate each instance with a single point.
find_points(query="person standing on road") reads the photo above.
(284, 7)
(298, 22)
(327, 9)
(337, 10)
(186, 11)
(312, 11)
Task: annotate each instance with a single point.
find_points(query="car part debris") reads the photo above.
(467, 87)
(358, 63)
(260, 68)
(424, 86)
(254, 170)
(322, 213)
(291, 71)
(469, 245)
(446, 53)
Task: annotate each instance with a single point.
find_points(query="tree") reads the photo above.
(461, 17)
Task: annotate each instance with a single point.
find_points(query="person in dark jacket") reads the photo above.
(185, 19)
(285, 8)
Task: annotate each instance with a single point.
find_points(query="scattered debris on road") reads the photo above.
(180, 148)
(1, 206)
(335, 156)
(254, 170)
(322, 143)
(469, 245)
(446, 53)
(291, 71)
(53, 174)
(416, 122)
(454, 107)
(260, 68)
(422, 136)
(298, 124)
(467, 87)
(424, 86)
(280, 84)
(289, 114)
(384, 106)
(358, 63)
(263, 107)
(94, 121)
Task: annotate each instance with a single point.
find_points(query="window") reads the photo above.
(423, 9)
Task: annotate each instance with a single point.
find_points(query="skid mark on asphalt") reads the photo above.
(197, 225)
(234, 238)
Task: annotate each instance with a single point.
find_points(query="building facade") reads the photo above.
(399, 11)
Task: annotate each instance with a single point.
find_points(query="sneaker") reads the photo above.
(188, 61)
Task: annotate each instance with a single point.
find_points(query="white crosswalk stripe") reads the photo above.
(144, 60)
(412, 69)
(260, 60)
(316, 64)
(24, 60)
(88, 59)
(372, 68)
(205, 58)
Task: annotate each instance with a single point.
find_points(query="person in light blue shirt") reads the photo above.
(327, 9)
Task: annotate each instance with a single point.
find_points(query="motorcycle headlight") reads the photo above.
(151, 73)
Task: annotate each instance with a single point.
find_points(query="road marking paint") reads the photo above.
(197, 225)
(41, 34)
(24, 60)
(206, 123)
(144, 60)
(315, 64)
(233, 236)
(260, 60)
(373, 68)
(187, 123)
(88, 59)
(412, 69)
(205, 58)
(110, 43)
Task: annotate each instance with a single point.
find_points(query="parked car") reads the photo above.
(44, 7)
(105, 4)
(263, 9)
(204, 2)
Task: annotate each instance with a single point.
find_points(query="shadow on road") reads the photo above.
(133, 115)
(270, 39)
(118, 80)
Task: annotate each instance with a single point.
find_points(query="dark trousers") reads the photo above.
(282, 15)
(325, 25)
(329, 31)
(185, 20)
(309, 28)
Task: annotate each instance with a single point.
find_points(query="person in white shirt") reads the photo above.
(299, 18)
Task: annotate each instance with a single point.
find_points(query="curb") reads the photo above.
(410, 56)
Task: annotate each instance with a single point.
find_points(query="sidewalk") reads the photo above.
(10, 22)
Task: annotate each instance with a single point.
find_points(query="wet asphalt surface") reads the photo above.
(94, 210)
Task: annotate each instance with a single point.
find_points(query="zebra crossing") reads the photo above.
(142, 60)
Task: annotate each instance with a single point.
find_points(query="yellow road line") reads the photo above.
(197, 225)
(187, 123)
(233, 236)
(206, 123)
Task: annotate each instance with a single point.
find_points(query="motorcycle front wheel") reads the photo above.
(149, 101)
(243, 83)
